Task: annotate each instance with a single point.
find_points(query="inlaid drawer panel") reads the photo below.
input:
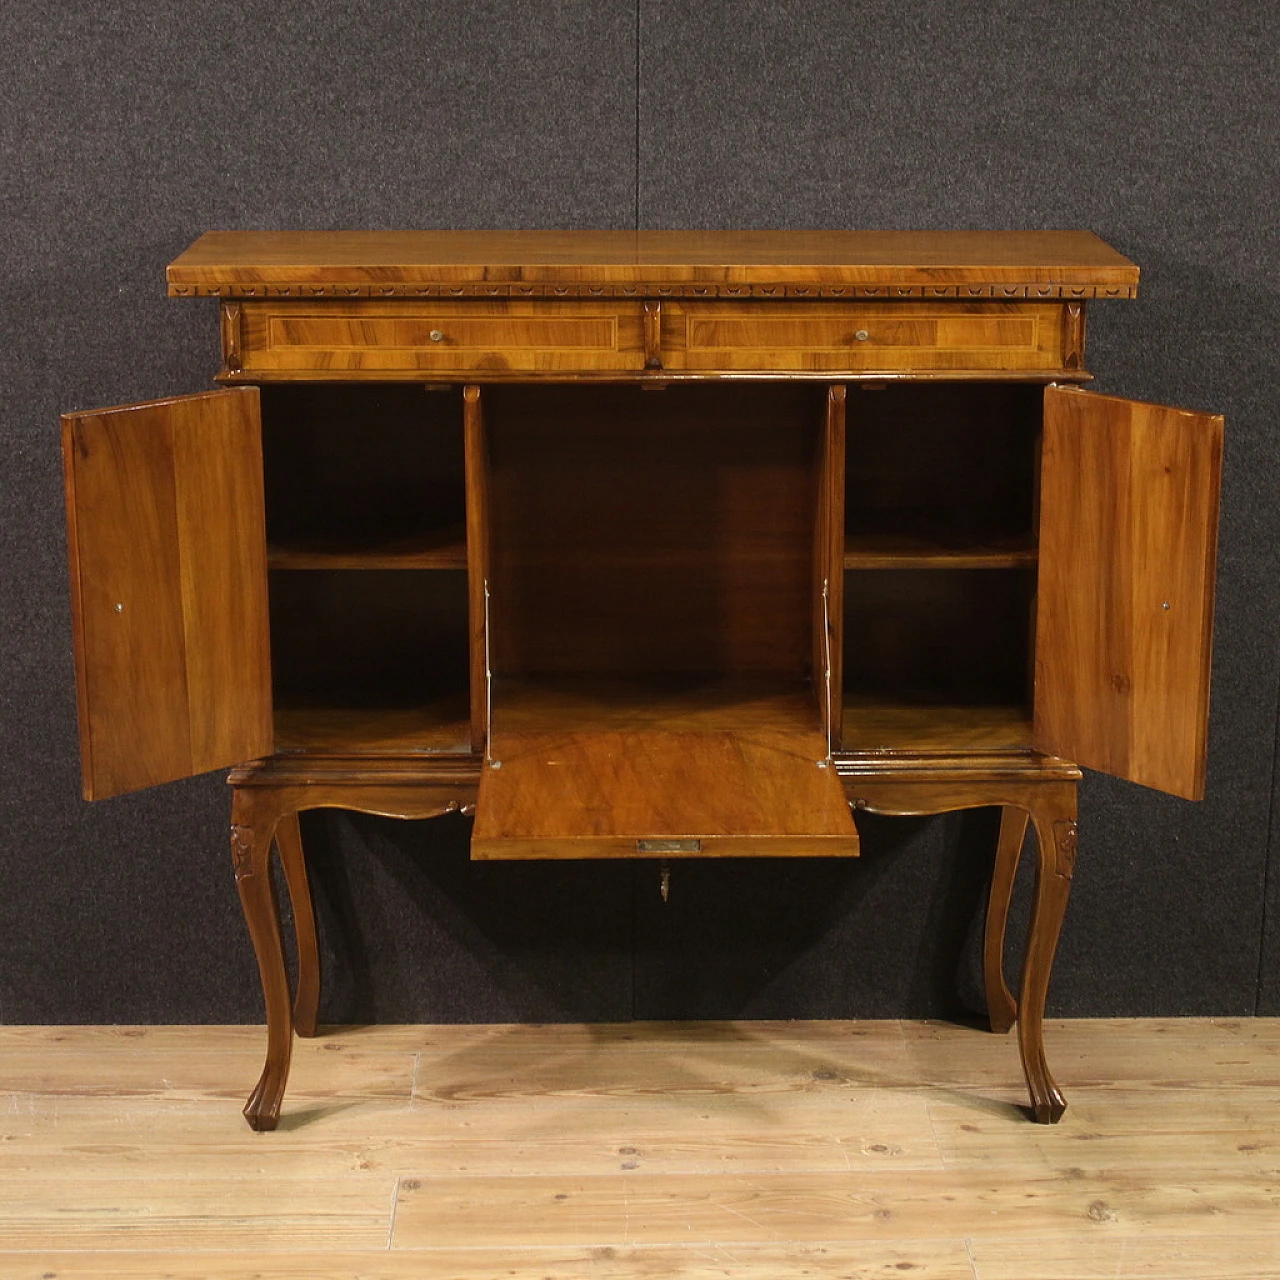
(885, 337)
(382, 339)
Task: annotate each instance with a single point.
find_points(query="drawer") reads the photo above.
(870, 337)
(385, 339)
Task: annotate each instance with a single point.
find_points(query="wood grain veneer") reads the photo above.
(168, 585)
(648, 532)
(1009, 264)
(384, 339)
(1128, 551)
(871, 337)
(593, 768)
(661, 793)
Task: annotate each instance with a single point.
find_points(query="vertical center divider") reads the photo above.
(476, 458)
(828, 570)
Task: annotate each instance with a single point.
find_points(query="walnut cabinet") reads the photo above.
(646, 545)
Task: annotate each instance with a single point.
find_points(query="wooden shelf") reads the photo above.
(659, 703)
(434, 549)
(903, 551)
(441, 727)
(874, 724)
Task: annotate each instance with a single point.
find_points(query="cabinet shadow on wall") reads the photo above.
(413, 931)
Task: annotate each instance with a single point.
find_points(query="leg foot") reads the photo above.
(1002, 1008)
(262, 1110)
(1050, 1112)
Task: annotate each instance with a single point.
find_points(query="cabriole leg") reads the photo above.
(306, 1000)
(1002, 1008)
(1053, 811)
(253, 825)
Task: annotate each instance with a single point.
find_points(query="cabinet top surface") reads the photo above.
(998, 264)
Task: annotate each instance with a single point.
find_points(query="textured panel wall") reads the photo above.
(1155, 127)
(127, 129)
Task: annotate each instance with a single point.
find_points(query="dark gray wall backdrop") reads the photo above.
(126, 129)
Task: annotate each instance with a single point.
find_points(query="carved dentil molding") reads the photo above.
(1051, 292)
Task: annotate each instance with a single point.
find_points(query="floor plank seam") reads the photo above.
(973, 1265)
(938, 1150)
(395, 1200)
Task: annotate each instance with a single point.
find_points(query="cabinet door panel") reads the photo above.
(1128, 545)
(168, 582)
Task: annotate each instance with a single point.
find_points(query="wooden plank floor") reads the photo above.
(755, 1150)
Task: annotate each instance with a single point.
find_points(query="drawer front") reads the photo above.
(871, 337)
(383, 339)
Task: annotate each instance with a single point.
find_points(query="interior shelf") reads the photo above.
(363, 477)
(936, 660)
(877, 724)
(370, 662)
(444, 548)
(659, 702)
(441, 726)
(925, 551)
(942, 476)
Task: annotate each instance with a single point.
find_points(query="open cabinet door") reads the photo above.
(1128, 546)
(168, 588)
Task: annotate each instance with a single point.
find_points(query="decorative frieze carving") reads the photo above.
(1064, 837)
(486, 289)
(242, 850)
(232, 338)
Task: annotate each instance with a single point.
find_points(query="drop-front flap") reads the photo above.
(592, 779)
(659, 794)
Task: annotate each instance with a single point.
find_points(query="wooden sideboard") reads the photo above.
(646, 545)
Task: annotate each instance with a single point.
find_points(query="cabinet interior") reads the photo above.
(366, 472)
(365, 507)
(651, 561)
(941, 484)
(944, 467)
(652, 549)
